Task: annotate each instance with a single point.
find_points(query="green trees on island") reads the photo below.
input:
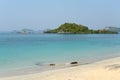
(77, 29)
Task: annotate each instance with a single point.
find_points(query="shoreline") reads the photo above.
(41, 69)
(111, 63)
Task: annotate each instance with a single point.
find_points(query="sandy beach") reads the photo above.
(103, 70)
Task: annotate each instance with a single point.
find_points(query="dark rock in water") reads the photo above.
(74, 62)
(51, 64)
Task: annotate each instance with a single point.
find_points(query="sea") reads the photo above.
(22, 51)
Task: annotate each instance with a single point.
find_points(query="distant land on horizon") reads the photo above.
(110, 28)
(27, 31)
(68, 28)
(73, 28)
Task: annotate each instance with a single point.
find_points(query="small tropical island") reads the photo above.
(73, 28)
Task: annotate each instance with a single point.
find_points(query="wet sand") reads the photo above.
(103, 70)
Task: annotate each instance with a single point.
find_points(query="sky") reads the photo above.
(49, 14)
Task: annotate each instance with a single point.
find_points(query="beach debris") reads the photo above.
(51, 64)
(75, 63)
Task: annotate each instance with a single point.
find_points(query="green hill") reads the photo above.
(74, 28)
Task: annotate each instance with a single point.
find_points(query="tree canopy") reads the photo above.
(77, 29)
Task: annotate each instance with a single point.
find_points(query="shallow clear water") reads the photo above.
(22, 51)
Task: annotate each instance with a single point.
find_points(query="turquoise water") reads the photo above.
(21, 51)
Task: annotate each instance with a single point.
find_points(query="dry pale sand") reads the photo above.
(103, 70)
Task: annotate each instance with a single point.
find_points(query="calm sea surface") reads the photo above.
(19, 51)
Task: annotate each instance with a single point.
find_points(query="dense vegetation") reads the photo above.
(78, 29)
